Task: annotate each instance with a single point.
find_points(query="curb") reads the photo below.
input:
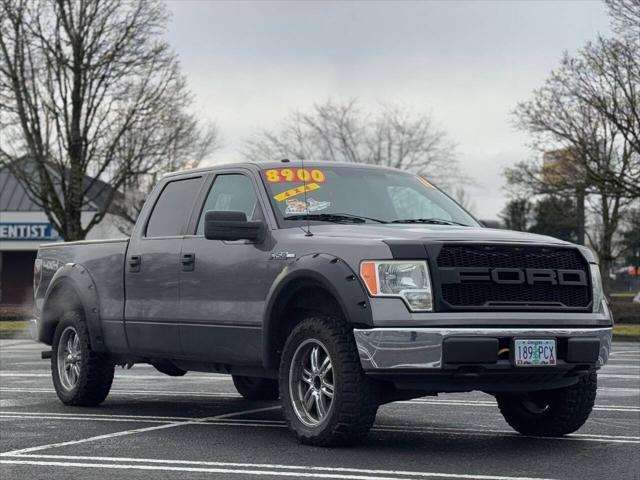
(626, 338)
(15, 336)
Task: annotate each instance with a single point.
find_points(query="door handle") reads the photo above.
(188, 262)
(134, 263)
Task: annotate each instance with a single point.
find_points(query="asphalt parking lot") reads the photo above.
(153, 426)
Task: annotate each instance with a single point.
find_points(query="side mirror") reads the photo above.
(219, 225)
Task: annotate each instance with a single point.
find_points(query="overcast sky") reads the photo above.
(466, 62)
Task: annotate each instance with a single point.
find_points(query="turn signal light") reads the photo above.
(369, 276)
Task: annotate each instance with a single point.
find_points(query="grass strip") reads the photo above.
(13, 326)
(627, 331)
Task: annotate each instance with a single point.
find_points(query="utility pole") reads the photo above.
(580, 215)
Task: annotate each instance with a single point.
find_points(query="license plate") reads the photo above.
(534, 353)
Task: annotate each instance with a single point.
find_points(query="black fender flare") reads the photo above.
(74, 277)
(330, 272)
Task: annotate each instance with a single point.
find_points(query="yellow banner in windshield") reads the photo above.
(292, 192)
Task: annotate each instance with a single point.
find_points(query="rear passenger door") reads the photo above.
(223, 289)
(152, 270)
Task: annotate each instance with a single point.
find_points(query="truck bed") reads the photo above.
(103, 261)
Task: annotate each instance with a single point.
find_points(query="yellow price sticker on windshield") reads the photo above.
(294, 175)
(292, 192)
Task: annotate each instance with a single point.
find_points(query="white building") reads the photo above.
(23, 227)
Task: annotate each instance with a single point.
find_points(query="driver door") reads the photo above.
(224, 284)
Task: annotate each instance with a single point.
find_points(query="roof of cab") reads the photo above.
(256, 166)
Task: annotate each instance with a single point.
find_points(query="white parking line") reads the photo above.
(619, 389)
(264, 469)
(235, 422)
(618, 375)
(488, 403)
(107, 415)
(83, 419)
(488, 432)
(444, 401)
(125, 376)
(138, 430)
(115, 391)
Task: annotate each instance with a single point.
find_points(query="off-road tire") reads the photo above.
(568, 409)
(255, 388)
(96, 369)
(355, 402)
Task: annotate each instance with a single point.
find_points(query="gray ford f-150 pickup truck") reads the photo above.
(334, 287)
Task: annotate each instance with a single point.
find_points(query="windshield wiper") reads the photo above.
(377, 220)
(432, 221)
(333, 217)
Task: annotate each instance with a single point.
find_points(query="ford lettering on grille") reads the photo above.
(514, 276)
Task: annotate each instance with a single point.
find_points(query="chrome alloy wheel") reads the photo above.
(69, 358)
(311, 382)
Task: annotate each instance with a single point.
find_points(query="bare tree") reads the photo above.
(605, 76)
(598, 158)
(462, 196)
(625, 16)
(343, 132)
(587, 118)
(88, 88)
(183, 142)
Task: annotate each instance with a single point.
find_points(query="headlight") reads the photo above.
(598, 291)
(406, 280)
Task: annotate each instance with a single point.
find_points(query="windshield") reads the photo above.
(359, 195)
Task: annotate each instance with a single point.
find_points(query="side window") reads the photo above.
(173, 207)
(231, 192)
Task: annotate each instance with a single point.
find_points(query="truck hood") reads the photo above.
(440, 233)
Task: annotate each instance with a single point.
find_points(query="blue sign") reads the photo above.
(28, 231)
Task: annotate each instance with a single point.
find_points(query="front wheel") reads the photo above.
(550, 413)
(80, 375)
(326, 397)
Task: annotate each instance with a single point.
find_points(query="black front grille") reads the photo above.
(470, 294)
(510, 257)
(487, 294)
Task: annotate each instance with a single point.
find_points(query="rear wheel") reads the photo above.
(326, 397)
(551, 413)
(255, 388)
(80, 375)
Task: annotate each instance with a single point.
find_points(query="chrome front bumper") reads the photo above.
(421, 348)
